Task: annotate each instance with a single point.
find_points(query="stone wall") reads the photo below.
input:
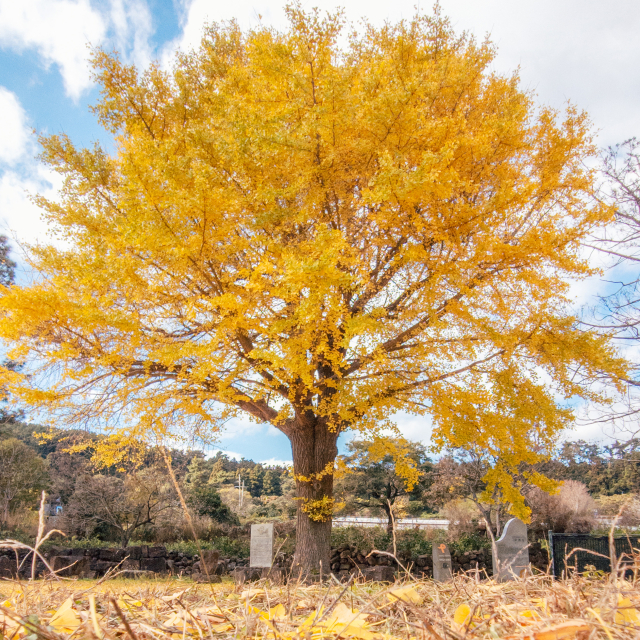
(150, 560)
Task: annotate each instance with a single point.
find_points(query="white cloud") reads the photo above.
(230, 454)
(20, 219)
(275, 462)
(197, 13)
(14, 134)
(59, 30)
(241, 428)
(585, 51)
(133, 26)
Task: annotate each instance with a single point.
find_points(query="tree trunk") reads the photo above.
(387, 509)
(313, 447)
(125, 536)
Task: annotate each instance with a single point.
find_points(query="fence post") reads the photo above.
(551, 556)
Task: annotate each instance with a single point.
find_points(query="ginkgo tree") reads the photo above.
(318, 230)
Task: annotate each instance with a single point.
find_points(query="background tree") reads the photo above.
(8, 413)
(23, 475)
(202, 495)
(117, 505)
(317, 237)
(66, 465)
(7, 265)
(379, 475)
(255, 481)
(465, 473)
(271, 483)
(571, 509)
(619, 312)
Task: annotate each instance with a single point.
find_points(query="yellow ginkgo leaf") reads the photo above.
(173, 596)
(275, 612)
(65, 619)
(462, 614)
(564, 631)
(311, 619)
(130, 601)
(345, 621)
(529, 613)
(344, 615)
(626, 612)
(9, 623)
(405, 594)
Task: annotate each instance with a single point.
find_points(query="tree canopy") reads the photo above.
(379, 474)
(318, 235)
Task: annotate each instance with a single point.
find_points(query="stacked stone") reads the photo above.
(347, 558)
(142, 560)
(462, 561)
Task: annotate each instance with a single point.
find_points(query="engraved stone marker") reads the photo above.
(261, 545)
(513, 552)
(441, 563)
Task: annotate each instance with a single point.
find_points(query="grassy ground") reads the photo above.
(536, 608)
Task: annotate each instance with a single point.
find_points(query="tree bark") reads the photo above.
(313, 447)
(387, 509)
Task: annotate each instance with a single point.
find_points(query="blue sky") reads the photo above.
(586, 51)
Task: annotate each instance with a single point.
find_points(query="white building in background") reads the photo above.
(401, 523)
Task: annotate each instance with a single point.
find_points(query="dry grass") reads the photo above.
(537, 608)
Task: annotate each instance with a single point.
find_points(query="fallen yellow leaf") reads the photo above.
(343, 614)
(173, 596)
(9, 623)
(563, 631)
(65, 619)
(529, 613)
(249, 594)
(626, 613)
(346, 621)
(275, 612)
(462, 614)
(405, 594)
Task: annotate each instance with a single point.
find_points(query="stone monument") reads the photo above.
(261, 554)
(441, 563)
(512, 548)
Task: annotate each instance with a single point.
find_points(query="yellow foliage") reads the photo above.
(319, 238)
(398, 449)
(314, 477)
(320, 510)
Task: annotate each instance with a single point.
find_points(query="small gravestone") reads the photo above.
(261, 554)
(441, 563)
(512, 559)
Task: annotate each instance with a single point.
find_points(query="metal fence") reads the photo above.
(579, 551)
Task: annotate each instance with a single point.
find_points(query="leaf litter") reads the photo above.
(536, 608)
